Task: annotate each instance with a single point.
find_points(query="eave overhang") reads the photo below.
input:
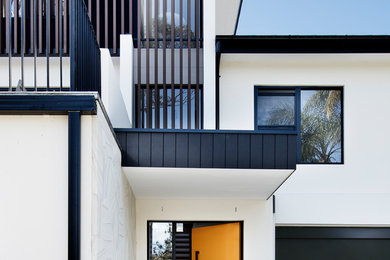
(303, 44)
(27, 103)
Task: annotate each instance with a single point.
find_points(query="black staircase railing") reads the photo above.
(26, 23)
(84, 50)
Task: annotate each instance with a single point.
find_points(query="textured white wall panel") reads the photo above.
(113, 203)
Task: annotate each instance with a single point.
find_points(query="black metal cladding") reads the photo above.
(336, 243)
(84, 51)
(207, 149)
(304, 44)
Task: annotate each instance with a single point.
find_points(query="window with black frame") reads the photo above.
(316, 114)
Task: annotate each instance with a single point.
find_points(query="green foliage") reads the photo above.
(163, 251)
(321, 127)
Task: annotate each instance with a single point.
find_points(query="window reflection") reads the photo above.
(275, 108)
(320, 126)
(161, 241)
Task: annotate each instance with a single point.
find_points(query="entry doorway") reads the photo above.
(194, 240)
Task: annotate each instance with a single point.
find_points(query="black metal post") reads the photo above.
(74, 185)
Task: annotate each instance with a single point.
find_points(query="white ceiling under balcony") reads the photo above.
(191, 183)
(226, 13)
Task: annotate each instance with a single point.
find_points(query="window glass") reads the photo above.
(275, 109)
(321, 126)
(161, 241)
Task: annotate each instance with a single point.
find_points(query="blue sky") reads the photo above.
(314, 17)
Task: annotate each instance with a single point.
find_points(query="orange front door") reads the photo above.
(220, 242)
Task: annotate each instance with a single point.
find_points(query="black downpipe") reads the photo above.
(217, 63)
(74, 185)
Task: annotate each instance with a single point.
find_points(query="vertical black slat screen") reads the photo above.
(156, 88)
(139, 110)
(15, 22)
(189, 62)
(173, 100)
(84, 51)
(231, 150)
(197, 28)
(207, 149)
(147, 70)
(173, 96)
(181, 65)
(164, 35)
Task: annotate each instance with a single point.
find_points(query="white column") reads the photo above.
(126, 74)
(209, 64)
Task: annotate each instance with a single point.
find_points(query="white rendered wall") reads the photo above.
(41, 72)
(33, 187)
(356, 193)
(108, 204)
(257, 215)
(112, 95)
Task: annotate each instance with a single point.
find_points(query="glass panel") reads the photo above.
(275, 109)
(161, 241)
(177, 108)
(185, 109)
(169, 109)
(321, 126)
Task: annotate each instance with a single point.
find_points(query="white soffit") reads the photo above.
(177, 183)
(226, 12)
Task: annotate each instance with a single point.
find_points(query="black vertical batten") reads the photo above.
(164, 34)
(197, 27)
(173, 105)
(148, 101)
(74, 186)
(156, 90)
(189, 36)
(217, 63)
(47, 44)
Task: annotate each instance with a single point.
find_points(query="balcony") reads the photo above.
(207, 149)
(206, 163)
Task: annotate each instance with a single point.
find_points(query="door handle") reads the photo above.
(197, 255)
